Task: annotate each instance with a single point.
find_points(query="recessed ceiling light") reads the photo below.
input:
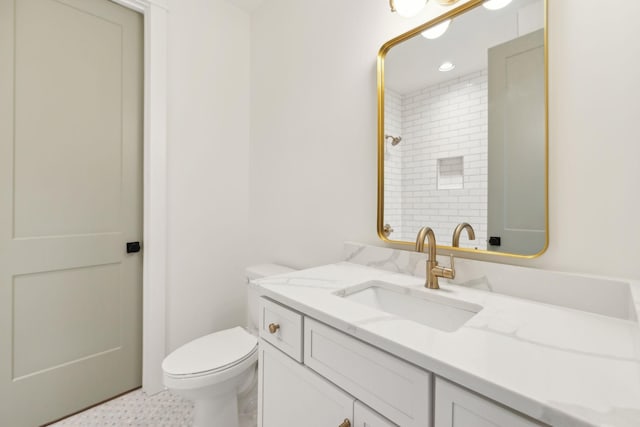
(495, 4)
(446, 66)
(437, 30)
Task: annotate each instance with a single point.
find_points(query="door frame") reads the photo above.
(154, 271)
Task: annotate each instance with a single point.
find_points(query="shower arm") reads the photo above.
(395, 140)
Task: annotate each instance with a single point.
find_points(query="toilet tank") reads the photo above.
(258, 272)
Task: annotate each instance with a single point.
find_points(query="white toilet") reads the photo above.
(213, 370)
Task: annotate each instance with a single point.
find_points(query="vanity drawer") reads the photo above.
(282, 327)
(398, 390)
(458, 407)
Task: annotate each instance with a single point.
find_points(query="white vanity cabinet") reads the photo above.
(292, 395)
(312, 375)
(396, 389)
(458, 407)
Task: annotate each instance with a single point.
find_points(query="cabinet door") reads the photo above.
(457, 407)
(363, 416)
(396, 389)
(291, 395)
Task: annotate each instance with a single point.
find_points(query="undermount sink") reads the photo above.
(436, 311)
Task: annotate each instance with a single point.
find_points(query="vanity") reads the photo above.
(344, 345)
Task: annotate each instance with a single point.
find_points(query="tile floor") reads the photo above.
(139, 410)
(136, 409)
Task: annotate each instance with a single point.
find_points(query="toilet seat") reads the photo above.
(210, 359)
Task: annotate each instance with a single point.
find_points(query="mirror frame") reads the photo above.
(471, 4)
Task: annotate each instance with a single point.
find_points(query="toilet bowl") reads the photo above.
(214, 369)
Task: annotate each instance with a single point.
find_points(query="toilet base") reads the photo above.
(216, 405)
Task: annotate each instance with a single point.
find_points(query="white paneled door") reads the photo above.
(71, 111)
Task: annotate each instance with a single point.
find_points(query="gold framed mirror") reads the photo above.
(463, 129)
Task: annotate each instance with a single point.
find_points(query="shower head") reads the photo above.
(395, 140)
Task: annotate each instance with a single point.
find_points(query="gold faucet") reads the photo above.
(456, 234)
(433, 270)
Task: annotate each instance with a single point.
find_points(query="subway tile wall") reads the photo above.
(446, 122)
(393, 164)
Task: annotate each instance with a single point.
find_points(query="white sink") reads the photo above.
(436, 311)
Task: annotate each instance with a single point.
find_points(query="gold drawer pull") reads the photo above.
(345, 423)
(273, 327)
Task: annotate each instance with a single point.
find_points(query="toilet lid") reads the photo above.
(211, 353)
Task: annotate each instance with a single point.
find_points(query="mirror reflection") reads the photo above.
(463, 137)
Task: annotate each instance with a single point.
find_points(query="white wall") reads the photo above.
(594, 138)
(208, 190)
(313, 131)
(313, 134)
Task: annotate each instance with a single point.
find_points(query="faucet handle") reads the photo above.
(447, 273)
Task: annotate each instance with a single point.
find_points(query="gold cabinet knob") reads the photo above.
(273, 327)
(345, 423)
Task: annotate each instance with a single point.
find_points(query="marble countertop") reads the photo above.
(561, 366)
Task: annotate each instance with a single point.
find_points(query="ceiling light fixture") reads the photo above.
(495, 4)
(437, 30)
(407, 8)
(446, 66)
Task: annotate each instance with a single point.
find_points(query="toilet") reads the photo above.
(215, 369)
